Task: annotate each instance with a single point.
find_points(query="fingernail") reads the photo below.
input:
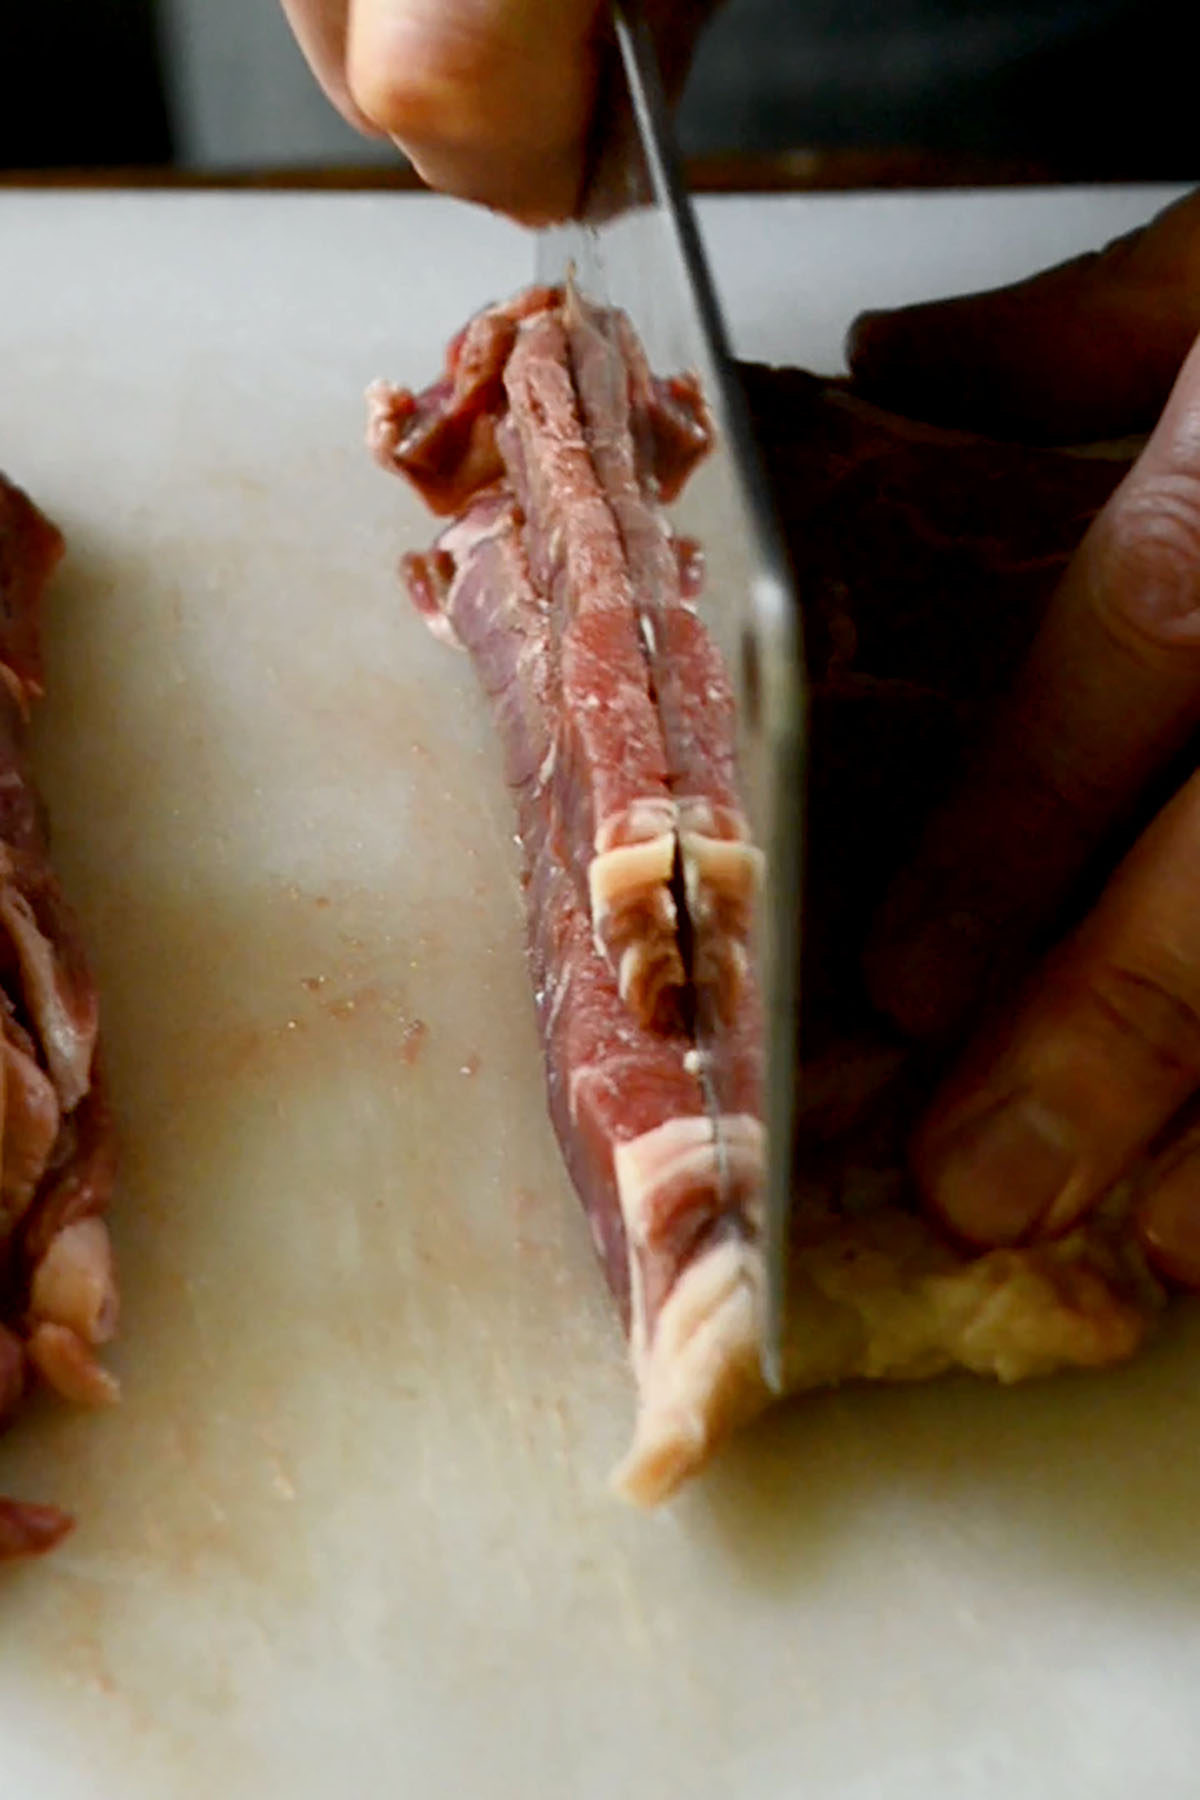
(996, 1177)
(1168, 1221)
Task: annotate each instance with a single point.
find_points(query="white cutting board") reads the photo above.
(349, 1531)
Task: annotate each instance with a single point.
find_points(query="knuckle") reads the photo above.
(468, 80)
(403, 106)
(433, 85)
(1151, 1016)
(1149, 593)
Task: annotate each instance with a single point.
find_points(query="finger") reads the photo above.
(1167, 1213)
(1052, 1106)
(1167, 1203)
(490, 99)
(1085, 351)
(320, 29)
(1109, 693)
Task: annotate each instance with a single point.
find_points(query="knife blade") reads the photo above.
(634, 247)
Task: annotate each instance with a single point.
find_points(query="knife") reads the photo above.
(634, 247)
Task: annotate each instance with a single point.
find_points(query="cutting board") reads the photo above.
(349, 1531)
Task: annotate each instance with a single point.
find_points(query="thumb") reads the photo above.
(488, 98)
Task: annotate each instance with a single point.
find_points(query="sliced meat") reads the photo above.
(626, 1102)
(30, 549)
(925, 559)
(611, 775)
(58, 1290)
(628, 1108)
(78, 1183)
(59, 994)
(29, 1530)
(531, 392)
(74, 1283)
(444, 439)
(21, 824)
(32, 1117)
(474, 590)
(721, 868)
(68, 1364)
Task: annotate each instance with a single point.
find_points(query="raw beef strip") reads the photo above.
(598, 546)
(720, 867)
(535, 578)
(676, 1241)
(58, 1296)
(925, 559)
(444, 440)
(611, 776)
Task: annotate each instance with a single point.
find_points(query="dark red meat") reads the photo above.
(57, 1145)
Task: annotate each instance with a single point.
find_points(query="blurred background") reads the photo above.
(1079, 89)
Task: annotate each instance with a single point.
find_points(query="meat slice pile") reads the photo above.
(925, 559)
(58, 1297)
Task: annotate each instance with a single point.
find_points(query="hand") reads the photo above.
(491, 100)
(1087, 1075)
